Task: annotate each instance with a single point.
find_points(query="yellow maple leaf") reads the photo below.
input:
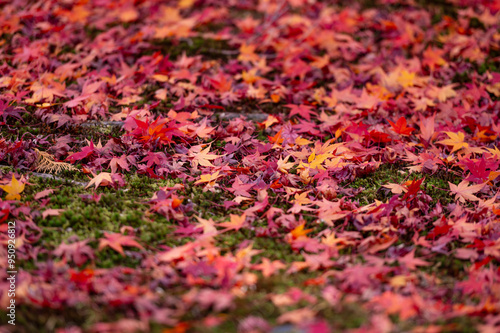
(160, 77)
(250, 76)
(269, 121)
(494, 152)
(456, 140)
(330, 101)
(247, 53)
(14, 189)
(183, 4)
(208, 178)
(300, 141)
(102, 179)
(315, 161)
(302, 199)
(494, 89)
(406, 79)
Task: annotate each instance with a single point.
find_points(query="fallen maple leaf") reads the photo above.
(413, 186)
(13, 189)
(236, 222)
(304, 110)
(210, 179)
(119, 162)
(116, 241)
(464, 192)
(406, 79)
(283, 166)
(208, 226)
(247, 53)
(51, 212)
(79, 252)
(203, 130)
(299, 316)
(269, 121)
(299, 231)
(442, 93)
(86, 152)
(411, 262)
(427, 127)
(203, 158)
(396, 188)
(43, 194)
(456, 140)
(400, 127)
(269, 267)
(102, 179)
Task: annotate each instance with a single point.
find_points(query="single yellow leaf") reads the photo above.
(456, 140)
(208, 178)
(102, 179)
(13, 189)
(406, 79)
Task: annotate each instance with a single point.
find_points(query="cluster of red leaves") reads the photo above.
(349, 90)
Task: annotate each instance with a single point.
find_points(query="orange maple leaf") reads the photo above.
(300, 232)
(236, 222)
(277, 139)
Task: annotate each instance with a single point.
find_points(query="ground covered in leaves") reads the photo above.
(250, 166)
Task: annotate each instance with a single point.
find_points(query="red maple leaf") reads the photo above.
(413, 188)
(116, 241)
(79, 252)
(84, 153)
(401, 127)
(304, 110)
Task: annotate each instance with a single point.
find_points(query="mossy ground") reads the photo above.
(128, 207)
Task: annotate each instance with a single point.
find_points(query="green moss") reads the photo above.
(435, 185)
(475, 23)
(108, 258)
(371, 184)
(443, 266)
(275, 249)
(92, 32)
(32, 319)
(208, 48)
(345, 316)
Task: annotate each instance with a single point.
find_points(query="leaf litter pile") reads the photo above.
(251, 166)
